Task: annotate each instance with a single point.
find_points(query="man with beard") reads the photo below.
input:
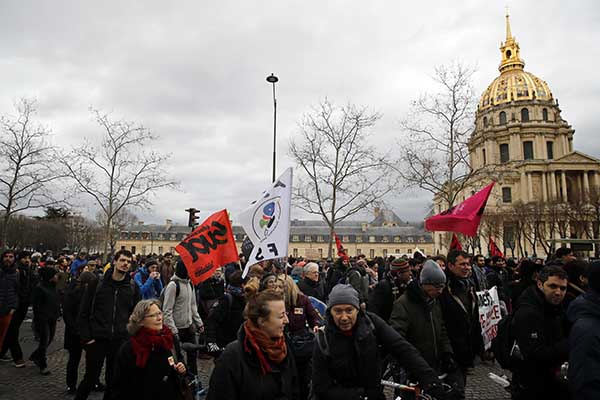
(102, 321)
(389, 289)
(9, 297)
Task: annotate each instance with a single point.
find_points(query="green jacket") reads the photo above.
(421, 324)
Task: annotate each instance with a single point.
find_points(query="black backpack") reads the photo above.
(503, 345)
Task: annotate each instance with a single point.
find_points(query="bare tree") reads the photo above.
(435, 151)
(121, 220)
(342, 174)
(27, 165)
(124, 171)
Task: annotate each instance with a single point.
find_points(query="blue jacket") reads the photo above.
(150, 288)
(76, 264)
(584, 343)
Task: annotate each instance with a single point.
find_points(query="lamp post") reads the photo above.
(273, 79)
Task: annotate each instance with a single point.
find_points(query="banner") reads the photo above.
(494, 250)
(463, 218)
(341, 252)
(209, 246)
(267, 221)
(489, 314)
(455, 244)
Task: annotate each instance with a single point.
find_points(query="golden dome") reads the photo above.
(514, 83)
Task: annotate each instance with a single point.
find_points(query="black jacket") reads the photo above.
(382, 297)
(237, 376)
(348, 367)
(156, 381)
(28, 280)
(9, 286)
(313, 289)
(461, 316)
(45, 302)
(106, 307)
(584, 344)
(499, 277)
(540, 331)
(334, 275)
(71, 304)
(224, 319)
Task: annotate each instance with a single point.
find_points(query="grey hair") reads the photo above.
(310, 266)
(139, 313)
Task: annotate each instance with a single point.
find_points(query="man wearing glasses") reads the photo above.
(417, 316)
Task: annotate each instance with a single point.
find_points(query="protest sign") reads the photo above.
(489, 314)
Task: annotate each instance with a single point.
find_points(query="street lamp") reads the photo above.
(273, 79)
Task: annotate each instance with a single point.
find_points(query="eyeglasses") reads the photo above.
(155, 315)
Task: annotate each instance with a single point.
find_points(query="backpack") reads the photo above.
(504, 345)
(161, 298)
(229, 298)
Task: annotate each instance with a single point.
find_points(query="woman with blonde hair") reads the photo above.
(144, 367)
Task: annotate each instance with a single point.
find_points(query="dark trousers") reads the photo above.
(304, 367)
(45, 332)
(11, 341)
(95, 354)
(73, 365)
(188, 336)
(4, 324)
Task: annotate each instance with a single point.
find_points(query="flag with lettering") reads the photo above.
(455, 244)
(494, 250)
(209, 246)
(267, 221)
(463, 218)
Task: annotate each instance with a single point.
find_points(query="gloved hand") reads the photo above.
(447, 363)
(442, 392)
(212, 347)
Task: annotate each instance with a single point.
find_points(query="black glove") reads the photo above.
(447, 363)
(442, 392)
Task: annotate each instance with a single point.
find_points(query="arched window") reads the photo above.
(502, 118)
(524, 115)
(545, 114)
(485, 122)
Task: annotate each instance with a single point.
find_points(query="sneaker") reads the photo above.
(20, 364)
(5, 358)
(45, 371)
(71, 390)
(35, 361)
(99, 387)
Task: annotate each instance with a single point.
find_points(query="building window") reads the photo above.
(371, 239)
(502, 118)
(346, 239)
(550, 150)
(144, 250)
(506, 195)
(409, 251)
(295, 253)
(358, 239)
(320, 238)
(307, 238)
(485, 122)
(384, 253)
(358, 252)
(504, 155)
(528, 150)
(172, 250)
(421, 239)
(410, 239)
(133, 249)
(484, 156)
(372, 253)
(320, 253)
(524, 115)
(397, 239)
(545, 114)
(161, 236)
(385, 239)
(295, 238)
(397, 251)
(160, 249)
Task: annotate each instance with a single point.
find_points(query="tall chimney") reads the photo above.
(168, 224)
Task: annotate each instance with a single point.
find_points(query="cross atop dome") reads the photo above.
(511, 57)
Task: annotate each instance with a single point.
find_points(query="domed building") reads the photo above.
(521, 141)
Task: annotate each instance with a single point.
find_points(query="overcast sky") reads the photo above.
(194, 73)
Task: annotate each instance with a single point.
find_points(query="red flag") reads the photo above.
(455, 244)
(494, 250)
(464, 217)
(209, 246)
(341, 251)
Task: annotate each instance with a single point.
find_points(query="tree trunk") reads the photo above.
(331, 240)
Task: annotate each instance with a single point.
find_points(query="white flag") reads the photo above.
(267, 221)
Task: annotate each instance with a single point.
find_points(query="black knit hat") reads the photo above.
(46, 273)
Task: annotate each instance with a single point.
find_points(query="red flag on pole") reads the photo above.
(455, 244)
(341, 251)
(209, 246)
(464, 217)
(494, 250)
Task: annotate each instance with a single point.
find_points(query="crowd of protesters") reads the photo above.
(302, 329)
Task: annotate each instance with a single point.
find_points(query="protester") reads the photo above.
(257, 365)
(390, 288)
(105, 310)
(578, 282)
(346, 362)
(336, 273)
(72, 340)
(584, 340)
(528, 273)
(148, 280)
(562, 256)
(478, 273)
(461, 311)
(27, 281)
(9, 296)
(311, 285)
(166, 268)
(539, 327)
(46, 310)
(209, 291)
(226, 315)
(359, 279)
(498, 276)
(143, 369)
(80, 261)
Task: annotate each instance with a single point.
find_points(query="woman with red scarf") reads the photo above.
(144, 367)
(259, 364)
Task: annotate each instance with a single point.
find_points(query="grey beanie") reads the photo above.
(432, 273)
(343, 294)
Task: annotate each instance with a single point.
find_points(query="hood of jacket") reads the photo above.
(415, 292)
(585, 306)
(181, 280)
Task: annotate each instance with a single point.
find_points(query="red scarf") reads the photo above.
(274, 349)
(147, 340)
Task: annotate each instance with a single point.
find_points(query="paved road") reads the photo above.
(28, 384)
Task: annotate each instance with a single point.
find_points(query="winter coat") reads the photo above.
(207, 294)
(9, 289)
(237, 376)
(149, 288)
(180, 311)
(359, 279)
(350, 366)
(301, 314)
(71, 304)
(334, 275)
(156, 381)
(461, 316)
(76, 264)
(478, 278)
(540, 331)
(584, 345)
(45, 303)
(224, 319)
(28, 280)
(106, 307)
(313, 289)
(422, 324)
(383, 296)
(573, 292)
(498, 277)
